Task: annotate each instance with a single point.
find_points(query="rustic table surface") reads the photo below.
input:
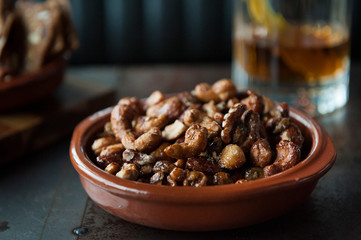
(41, 196)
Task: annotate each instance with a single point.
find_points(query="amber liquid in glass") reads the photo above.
(301, 54)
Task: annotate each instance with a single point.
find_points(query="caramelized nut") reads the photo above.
(113, 168)
(129, 171)
(195, 142)
(174, 130)
(195, 179)
(232, 157)
(195, 116)
(221, 178)
(261, 153)
(101, 143)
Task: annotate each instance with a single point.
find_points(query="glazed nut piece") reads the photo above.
(172, 107)
(129, 171)
(113, 168)
(178, 174)
(288, 154)
(154, 98)
(195, 142)
(132, 156)
(219, 91)
(254, 102)
(221, 178)
(163, 166)
(202, 165)
(159, 153)
(174, 131)
(157, 178)
(293, 134)
(113, 149)
(231, 122)
(101, 143)
(224, 88)
(104, 160)
(144, 143)
(195, 116)
(144, 124)
(232, 157)
(195, 179)
(261, 153)
(254, 173)
(210, 108)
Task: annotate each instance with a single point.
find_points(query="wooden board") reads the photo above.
(40, 124)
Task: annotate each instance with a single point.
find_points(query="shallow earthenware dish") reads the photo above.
(205, 208)
(30, 87)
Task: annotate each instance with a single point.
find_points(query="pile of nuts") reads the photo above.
(211, 136)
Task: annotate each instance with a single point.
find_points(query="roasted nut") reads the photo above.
(277, 125)
(163, 166)
(159, 153)
(154, 98)
(231, 102)
(145, 143)
(172, 107)
(174, 130)
(232, 157)
(105, 160)
(146, 169)
(260, 153)
(129, 171)
(210, 108)
(187, 99)
(139, 158)
(293, 134)
(180, 163)
(157, 178)
(113, 168)
(240, 181)
(231, 121)
(218, 117)
(254, 173)
(221, 178)
(195, 179)
(123, 114)
(205, 93)
(220, 91)
(178, 174)
(203, 165)
(171, 182)
(271, 170)
(101, 143)
(144, 124)
(195, 142)
(254, 102)
(113, 149)
(224, 88)
(108, 129)
(194, 116)
(255, 129)
(288, 154)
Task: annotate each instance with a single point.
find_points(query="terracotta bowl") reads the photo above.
(205, 208)
(28, 88)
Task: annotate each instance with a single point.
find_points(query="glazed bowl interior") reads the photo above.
(286, 189)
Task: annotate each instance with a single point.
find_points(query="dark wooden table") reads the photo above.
(41, 196)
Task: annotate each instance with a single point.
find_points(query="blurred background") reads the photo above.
(161, 31)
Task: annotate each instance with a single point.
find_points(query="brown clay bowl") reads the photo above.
(205, 208)
(30, 87)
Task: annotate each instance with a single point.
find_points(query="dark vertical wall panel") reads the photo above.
(89, 21)
(162, 28)
(202, 28)
(123, 30)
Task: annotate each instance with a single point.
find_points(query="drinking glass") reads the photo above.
(294, 51)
